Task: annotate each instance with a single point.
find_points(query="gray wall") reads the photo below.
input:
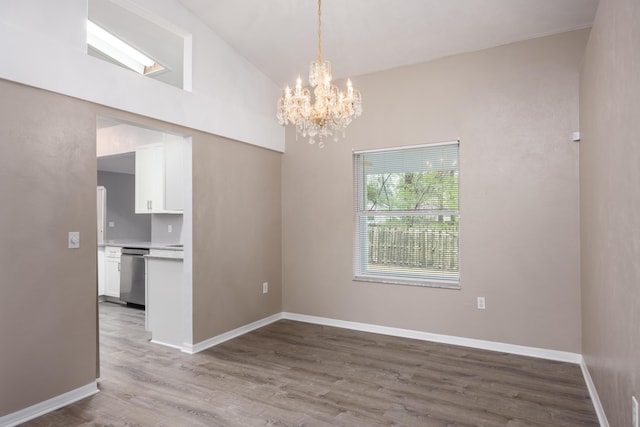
(610, 206)
(160, 231)
(48, 173)
(514, 108)
(121, 209)
(48, 303)
(237, 235)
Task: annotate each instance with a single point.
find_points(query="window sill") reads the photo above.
(425, 283)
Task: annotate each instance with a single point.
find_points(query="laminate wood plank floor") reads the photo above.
(298, 374)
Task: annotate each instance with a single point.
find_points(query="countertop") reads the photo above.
(143, 245)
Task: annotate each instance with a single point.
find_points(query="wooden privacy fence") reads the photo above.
(414, 248)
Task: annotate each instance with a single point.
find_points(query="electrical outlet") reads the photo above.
(634, 412)
(481, 305)
(265, 287)
(112, 224)
(169, 228)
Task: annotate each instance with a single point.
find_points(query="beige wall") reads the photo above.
(47, 187)
(514, 108)
(237, 235)
(610, 206)
(48, 301)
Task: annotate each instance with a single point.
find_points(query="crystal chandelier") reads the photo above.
(331, 110)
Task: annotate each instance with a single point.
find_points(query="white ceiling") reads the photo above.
(363, 36)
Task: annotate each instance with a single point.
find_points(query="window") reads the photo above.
(407, 216)
(124, 34)
(117, 50)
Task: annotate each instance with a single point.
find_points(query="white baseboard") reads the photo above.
(50, 405)
(597, 405)
(541, 353)
(562, 356)
(219, 339)
(179, 347)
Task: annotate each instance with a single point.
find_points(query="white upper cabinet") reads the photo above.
(174, 160)
(149, 178)
(160, 178)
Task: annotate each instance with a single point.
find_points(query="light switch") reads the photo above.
(112, 224)
(74, 239)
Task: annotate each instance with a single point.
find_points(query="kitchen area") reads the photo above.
(143, 199)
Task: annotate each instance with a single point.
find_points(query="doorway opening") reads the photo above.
(144, 178)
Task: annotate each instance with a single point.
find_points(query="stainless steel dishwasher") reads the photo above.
(132, 275)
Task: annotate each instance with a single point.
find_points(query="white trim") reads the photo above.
(219, 339)
(410, 281)
(542, 353)
(433, 144)
(597, 405)
(90, 389)
(179, 347)
(50, 405)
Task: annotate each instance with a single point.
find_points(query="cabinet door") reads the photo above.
(174, 152)
(112, 277)
(164, 285)
(101, 257)
(150, 175)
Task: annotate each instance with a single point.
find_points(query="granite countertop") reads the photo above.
(143, 245)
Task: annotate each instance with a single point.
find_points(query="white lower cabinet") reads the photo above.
(101, 289)
(164, 319)
(112, 271)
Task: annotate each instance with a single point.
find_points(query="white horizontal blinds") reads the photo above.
(407, 214)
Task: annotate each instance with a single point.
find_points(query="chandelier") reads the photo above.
(331, 110)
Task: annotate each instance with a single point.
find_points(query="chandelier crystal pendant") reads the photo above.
(331, 111)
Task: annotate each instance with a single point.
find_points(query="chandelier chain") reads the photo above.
(319, 30)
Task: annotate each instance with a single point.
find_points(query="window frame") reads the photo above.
(361, 272)
(160, 40)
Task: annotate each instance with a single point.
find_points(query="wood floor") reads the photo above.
(295, 374)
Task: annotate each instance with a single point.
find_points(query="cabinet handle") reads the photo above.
(150, 205)
(118, 266)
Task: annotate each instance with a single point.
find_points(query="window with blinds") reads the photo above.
(407, 216)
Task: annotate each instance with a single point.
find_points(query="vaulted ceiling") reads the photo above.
(363, 36)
